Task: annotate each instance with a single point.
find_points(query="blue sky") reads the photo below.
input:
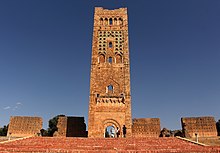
(45, 49)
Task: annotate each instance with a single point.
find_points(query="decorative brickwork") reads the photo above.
(202, 126)
(71, 127)
(110, 98)
(146, 127)
(21, 126)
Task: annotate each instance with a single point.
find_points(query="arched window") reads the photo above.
(120, 21)
(106, 21)
(110, 45)
(101, 58)
(110, 89)
(101, 21)
(118, 58)
(110, 59)
(110, 21)
(115, 21)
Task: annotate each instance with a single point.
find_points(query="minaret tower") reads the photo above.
(110, 96)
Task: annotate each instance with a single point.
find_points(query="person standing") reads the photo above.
(124, 129)
(117, 132)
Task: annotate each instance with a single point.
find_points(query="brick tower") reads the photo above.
(110, 98)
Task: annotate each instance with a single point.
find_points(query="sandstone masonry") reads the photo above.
(202, 126)
(21, 126)
(69, 126)
(110, 97)
(146, 127)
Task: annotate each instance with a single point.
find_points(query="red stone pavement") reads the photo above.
(101, 145)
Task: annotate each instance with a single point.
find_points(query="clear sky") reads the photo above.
(45, 56)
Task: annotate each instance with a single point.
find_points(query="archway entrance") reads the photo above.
(109, 132)
(109, 127)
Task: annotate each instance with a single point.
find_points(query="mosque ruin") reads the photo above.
(110, 91)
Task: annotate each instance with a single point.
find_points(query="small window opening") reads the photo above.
(110, 88)
(110, 59)
(106, 21)
(123, 95)
(101, 58)
(110, 45)
(110, 21)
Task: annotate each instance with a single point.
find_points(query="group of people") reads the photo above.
(116, 132)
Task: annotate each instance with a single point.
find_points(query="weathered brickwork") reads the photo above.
(21, 126)
(146, 127)
(202, 126)
(61, 127)
(110, 98)
(71, 127)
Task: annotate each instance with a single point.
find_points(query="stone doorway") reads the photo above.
(108, 125)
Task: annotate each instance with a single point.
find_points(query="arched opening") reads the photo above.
(120, 21)
(101, 58)
(110, 45)
(110, 131)
(108, 126)
(101, 21)
(118, 58)
(110, 89)
(115, 21)
(110, 21)
(106, 21)
(110, 59)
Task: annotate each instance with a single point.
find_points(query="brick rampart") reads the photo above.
(71, 127)
(21, 126)
(146, 127)
(202, 126)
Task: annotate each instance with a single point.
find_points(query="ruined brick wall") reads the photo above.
(76, 127)
(21, 126)
(61, 126)
(110, 98)
(146, 127)
(203, 126)
(69, 126)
